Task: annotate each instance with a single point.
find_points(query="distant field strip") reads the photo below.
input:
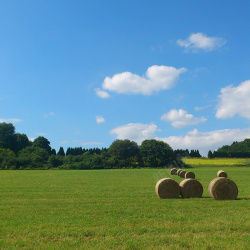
(217, 162)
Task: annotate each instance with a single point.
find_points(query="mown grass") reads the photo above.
(118, 209)
(201, 162)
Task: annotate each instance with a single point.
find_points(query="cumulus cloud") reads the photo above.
(10, 120)
(100, 119)
(205, 141)
(234, 100)
(199, 41)
(180, 118)
(156, 78)
(101, 93)
(135, 132)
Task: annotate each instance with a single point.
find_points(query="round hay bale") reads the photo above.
(167, 188)
(222, 173)
(173, 171)
(178, 172)
(191, 188)
(182, 173)
(190, 175)
(222, 188)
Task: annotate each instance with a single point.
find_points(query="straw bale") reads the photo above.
(182, 173)
(167, 188)
(178, 172)
(222, 173)
(173, 171)
(190, 175)
(222, 188)
(191, 188)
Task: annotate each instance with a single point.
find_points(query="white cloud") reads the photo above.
(199, 41)
(49, 114)
(201, 108)
(180, 118)
(205, 141)
(100, 119)
(157, 78)
(10, 120)
(135, 132)
(101, 93)
(234, 100)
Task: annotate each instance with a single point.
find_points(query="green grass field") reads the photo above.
(118, 209)
(204, 162)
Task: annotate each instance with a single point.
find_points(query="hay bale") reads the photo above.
(190, 175)
(178, 172)
(222, 188)
(222, 173)
(167, 188)
(182, 173)
(191, 188)
(173, 171)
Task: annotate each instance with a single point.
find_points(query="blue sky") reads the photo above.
(84, 73)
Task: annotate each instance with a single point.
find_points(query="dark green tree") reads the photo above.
(55, 160)
(125, 153)
(7, 136)
(42, 142)
(53, 152)
(61, 152)
(7, 159)
(155, 153)
(123, 149)
(195, 153)
(210, 154)
(22, 141)
(33, 157)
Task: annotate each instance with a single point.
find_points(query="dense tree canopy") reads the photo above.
(195, 153)
(7, 136)
(156, 153)
(42, 142)
(123, 149)
(22, 142)
(235, 150)
(32, 157)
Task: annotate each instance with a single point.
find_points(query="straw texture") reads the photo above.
(222, 188)
(167, 188)
(190, 175)
(191, 188)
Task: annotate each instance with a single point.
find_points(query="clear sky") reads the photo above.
(84, 73)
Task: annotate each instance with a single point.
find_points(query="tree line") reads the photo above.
(18, 152)
(235, 150)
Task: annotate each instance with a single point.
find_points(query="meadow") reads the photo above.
(118, 209)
